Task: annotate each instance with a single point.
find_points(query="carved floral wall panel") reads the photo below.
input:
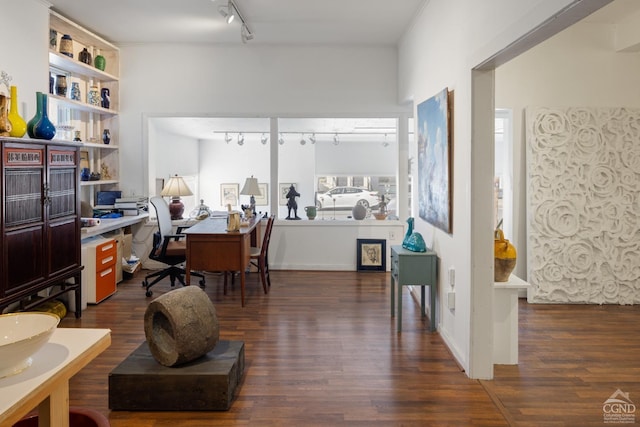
(583, 195)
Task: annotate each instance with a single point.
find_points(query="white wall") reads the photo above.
(578, 67)
(471, 32)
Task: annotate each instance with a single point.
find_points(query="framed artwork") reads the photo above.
(434, 160)
(283, 190)
(263, 198)
(371, 255)
(84, 159)
(229, 194)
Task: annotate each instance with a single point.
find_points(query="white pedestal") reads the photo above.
(505, 320)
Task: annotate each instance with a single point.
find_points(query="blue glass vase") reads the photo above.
(44, 129)
(31, 123)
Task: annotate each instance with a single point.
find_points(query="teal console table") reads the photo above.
(413, 269)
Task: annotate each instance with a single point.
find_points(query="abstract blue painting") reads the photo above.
(434, 167)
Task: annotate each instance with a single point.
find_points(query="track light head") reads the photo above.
(385, 143)
(227, 138)
(302, 140)
(280, 139)
(227, 12)
(264, 139)
(336, 139)
(245, 33)
(312, 138)
(241, 139)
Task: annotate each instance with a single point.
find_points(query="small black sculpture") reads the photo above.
(292, 204)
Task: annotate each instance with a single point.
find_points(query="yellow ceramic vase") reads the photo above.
(505, 257)
(18, 125)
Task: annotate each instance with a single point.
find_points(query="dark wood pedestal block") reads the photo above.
(208, 383)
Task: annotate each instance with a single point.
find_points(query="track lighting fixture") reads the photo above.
(240, 138)
(336, 139)
(312, 138)
(227, 138)
(264, 139)
(280, 139)
(229, 12)
(302, 140)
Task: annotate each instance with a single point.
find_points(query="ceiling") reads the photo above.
(292, 22)
(366, 22)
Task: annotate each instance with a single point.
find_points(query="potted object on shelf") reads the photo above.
(99, 62)
(106, 136)
(66, 45)
(85, 57)
(505, 256)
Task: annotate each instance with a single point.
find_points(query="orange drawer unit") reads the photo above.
(99, 257)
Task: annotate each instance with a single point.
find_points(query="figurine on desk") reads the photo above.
(292, 204)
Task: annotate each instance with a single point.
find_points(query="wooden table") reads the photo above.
(45, 384)
(210, 247)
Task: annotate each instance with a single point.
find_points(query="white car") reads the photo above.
(347, 197)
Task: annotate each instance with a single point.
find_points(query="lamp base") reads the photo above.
(176, 209)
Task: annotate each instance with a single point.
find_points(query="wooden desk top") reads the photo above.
(219, 226)
(68, 351)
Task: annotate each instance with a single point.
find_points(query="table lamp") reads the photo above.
(251, 189)
(176, 188)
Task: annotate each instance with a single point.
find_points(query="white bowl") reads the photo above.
(21, 335)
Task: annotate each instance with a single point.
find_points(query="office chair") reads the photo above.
(167, 249)
(259, 256)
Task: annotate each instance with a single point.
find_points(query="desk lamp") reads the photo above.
(176, 188)
(251, 189)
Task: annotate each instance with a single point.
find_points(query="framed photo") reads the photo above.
(372, 255)
(434, 160)
(284, 189)
(229, 194)
(263, 198)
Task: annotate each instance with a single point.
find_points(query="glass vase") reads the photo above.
(18, 125)
(44, 129)
(31, 123)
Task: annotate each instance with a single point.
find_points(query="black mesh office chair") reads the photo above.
(168, 249)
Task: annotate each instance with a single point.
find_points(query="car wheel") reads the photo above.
(364, 203)
(318, 204)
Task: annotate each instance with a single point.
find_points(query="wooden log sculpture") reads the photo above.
(181, 325)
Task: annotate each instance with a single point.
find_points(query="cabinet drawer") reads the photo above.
(106, 254)
(105, 282)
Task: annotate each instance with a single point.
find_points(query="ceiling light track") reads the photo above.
(229, 12)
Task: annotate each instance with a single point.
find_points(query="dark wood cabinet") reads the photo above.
(40, 213)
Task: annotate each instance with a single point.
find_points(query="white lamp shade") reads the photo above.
(176, 187)
(251, 187)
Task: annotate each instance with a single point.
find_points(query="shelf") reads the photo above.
(99, 145)
(100, 182)
(81, 106)
(77, 68)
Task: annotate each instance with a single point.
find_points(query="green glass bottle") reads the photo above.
(99, 62)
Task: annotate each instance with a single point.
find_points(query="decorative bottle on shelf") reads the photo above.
(44, 129)
(106, 136)
(93, 96)
(99, 62)
(85, 57)
(31, 123)
(18, 125)
(61, 85)
(75, 91)
(105, 97)
(66, 45)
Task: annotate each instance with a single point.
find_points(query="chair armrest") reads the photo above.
(168, 237)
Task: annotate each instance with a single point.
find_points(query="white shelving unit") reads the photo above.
(90, 120)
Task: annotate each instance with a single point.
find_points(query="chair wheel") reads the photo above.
(149, 293)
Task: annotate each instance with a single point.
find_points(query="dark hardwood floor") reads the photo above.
(322, 350)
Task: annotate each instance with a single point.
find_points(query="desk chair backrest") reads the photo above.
(164, 216)
(267, 237)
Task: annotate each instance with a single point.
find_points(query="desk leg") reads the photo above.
(422, 301)
(432, 309)
(242, 274)
(54, 410)
(187, 276)
(399, 298)
(393, 297)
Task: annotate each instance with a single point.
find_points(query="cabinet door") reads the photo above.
(62, 210)
(24, 221)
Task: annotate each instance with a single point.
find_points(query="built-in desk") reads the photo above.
(505, 320)
(110, 224)
(45, 384)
